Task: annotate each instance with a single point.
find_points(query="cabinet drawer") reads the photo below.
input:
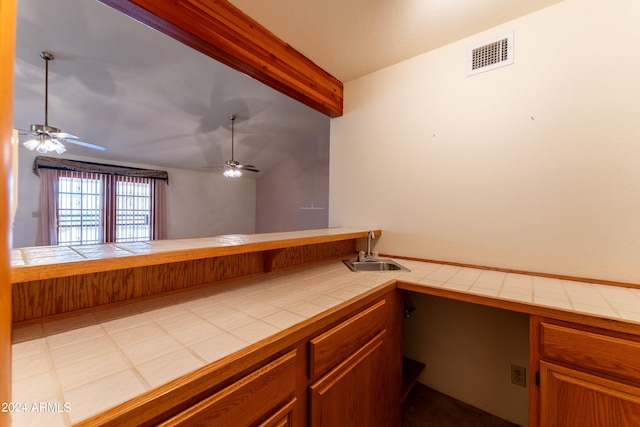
(335, 345)
(609, 355)
(266, 395)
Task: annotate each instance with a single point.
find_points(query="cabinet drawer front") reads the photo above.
(335, 345)
(609, 355)
(248, 400)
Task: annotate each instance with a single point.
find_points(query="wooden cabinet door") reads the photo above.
(571, 398)
(266, 394)
(351, 394)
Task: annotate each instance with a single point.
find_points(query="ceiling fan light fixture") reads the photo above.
(32, 144)
(44, 145)
(232, 173)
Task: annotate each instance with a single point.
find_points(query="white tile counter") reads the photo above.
(95, 361)
(612, 302)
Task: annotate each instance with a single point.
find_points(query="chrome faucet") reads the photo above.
(368, 256)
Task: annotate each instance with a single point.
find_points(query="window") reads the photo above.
(79, 210)
(96, 209)
(85, 207)
(133, 210)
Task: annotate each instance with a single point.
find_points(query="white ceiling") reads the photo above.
(152, 100)
(352, 38)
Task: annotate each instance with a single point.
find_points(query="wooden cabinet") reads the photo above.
(350, 394)
(573, 398)
(265, 397)
(351, 359)
(588, 377)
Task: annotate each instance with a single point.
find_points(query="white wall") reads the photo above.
(460, 332)
(301, 180)
(198, 204)
(533, 166)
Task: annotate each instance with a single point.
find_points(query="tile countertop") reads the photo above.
(95, 361)
(45, 255)
(43, 262)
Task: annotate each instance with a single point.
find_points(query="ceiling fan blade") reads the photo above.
(63, 135)
(86, 144)
(249, 168)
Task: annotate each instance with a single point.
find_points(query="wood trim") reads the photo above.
(223, 32)
(534, 369)
(7, 42)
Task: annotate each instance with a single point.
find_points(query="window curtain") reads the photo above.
(47, 221)
(159, 213)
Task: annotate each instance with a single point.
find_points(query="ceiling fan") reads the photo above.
(233, 168)
(48, 138)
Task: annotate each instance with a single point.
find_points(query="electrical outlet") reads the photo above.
(518, 375)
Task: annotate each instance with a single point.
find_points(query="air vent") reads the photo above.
(490, 55)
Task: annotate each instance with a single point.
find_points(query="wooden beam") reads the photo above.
(222, 31)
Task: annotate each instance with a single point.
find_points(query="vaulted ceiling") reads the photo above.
(152, 100)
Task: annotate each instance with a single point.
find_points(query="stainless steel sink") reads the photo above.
(374, 265)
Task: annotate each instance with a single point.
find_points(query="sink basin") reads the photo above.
(374, 265)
